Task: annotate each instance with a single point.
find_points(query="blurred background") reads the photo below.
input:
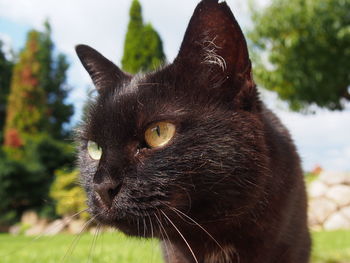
(301, 59)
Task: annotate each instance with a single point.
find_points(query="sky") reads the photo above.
(322, 138)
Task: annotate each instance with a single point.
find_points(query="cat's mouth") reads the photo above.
(130, 219)
(133, 225)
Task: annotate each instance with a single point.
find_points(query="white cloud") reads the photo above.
(322, 138)
(102, 25)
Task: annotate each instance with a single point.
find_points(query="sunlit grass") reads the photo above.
(108, 248)
(329, 247)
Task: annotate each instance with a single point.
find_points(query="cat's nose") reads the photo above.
(107, 190)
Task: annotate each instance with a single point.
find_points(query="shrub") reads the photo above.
(27, 173)
(69, 196)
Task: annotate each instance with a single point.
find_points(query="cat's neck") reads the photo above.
(206, 245)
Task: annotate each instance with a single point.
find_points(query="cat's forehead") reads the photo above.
(140, 86)
(129, 87)
(137, 94)
(134, 104)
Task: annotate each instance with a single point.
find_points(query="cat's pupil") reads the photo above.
(158, 130)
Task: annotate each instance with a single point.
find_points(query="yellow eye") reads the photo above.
(94, 150)
(159, 134)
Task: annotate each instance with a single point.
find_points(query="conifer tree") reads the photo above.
(52, 79)
(153, 48)
(26, 102)
(38, 92)
(35, 114)
(143, 48)
(5, 78)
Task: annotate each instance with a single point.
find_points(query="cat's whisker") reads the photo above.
(47, 231)
(144, 227)
(93, 244)
(66, 220)
(182, 236)
(160, 222)
(166, 237)
(146, 231)
(76, 239)
(138, 226)
(186, 191)
(177, 211)
(151, 226)
(102, 239)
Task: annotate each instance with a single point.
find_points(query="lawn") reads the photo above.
(329, 247)
(106, 248)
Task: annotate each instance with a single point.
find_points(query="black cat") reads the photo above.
(189, 153)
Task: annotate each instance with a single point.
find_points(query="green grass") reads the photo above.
(109, 248)
(329, 247)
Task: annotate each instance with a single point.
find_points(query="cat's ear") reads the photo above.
(103, 72)
(214, 44)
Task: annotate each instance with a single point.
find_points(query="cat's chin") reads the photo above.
(137, 226)
(133, 229)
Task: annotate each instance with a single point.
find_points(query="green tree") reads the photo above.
(25, 182)
(143, 48)
(5, 78)
(35, 117)
(52, 79)
(307, 44)
(26, 102)
(38, 92)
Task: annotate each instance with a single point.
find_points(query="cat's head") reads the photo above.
(184, 139)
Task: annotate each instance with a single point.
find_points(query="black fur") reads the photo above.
(230, 179)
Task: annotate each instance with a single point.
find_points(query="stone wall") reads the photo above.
(329, 209)
(32, 225)
(329, 201)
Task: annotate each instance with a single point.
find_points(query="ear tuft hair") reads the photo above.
(214, 46)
